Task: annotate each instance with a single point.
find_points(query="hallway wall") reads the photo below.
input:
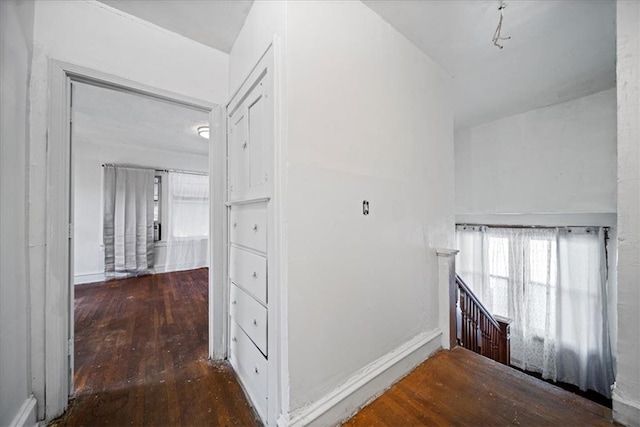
(370, 117)
(555, 160)
(626, 393)
(16, 38)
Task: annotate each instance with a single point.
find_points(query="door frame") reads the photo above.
(59, 291)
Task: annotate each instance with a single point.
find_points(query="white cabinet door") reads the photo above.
(238, 164)
(250, 136)
(250, 165)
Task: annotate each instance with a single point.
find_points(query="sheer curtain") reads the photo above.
(128, 221)
(583, 355)
(188, 215)
(552, 284)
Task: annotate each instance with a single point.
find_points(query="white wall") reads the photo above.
(555, 160)
(88, 157)
(370, 118)
(16, 38)
(626, 394)
(90, 34)
(366, 115)
(265, 19)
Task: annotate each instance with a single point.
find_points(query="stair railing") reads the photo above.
(477, 329)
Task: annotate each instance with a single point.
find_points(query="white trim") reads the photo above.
(444, 252)
(58, 307)
(280, 406)
(368, 383)
(248, 201)
(26, 415)
(625, 411)
(81, 279)
(178, 267)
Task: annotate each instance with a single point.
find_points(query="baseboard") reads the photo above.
(625, 412)
(368, 383)
(181, 267)
(26, 415)
(81, 279)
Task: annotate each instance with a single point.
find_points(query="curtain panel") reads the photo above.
(128, 221)
(188, 221)
(553, 284)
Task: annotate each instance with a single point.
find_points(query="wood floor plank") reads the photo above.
(141, 357)
(459, 387)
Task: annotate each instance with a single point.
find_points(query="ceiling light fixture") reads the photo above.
(203, 131)
(496, 36)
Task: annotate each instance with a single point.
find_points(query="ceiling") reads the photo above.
(213, 23)
(559, 50)
(113, 117)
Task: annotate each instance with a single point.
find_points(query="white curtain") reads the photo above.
(188, 216)
(583, 355)
(552, 284)
(128, 221)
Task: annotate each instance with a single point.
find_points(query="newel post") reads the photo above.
(505, 339)
(447, 286)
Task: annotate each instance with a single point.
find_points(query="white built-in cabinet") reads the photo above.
(250, 163)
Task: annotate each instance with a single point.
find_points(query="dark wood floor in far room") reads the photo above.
(141, 356)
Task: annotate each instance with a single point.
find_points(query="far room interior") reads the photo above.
(140, 176)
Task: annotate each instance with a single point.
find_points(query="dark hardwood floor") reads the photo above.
(141, 356)
(459, 387)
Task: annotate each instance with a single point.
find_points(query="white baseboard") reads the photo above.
(181, 267)
(81, 279)
(624, 411)
(368, 383)
(26, 415)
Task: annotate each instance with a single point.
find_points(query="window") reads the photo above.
(499, 275)
(188, 206)
(540, 284)
(533, 268)
(552, 283)
(157, 208)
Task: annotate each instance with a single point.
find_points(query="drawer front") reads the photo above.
(248, 226)
(251, 316)
(251, 367)
(249, 271)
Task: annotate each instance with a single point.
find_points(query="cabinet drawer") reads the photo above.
(251, 367)
(251, 316)
(249, 271)
(248, 226)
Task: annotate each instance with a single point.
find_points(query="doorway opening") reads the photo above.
(61, 275)
(140, 240)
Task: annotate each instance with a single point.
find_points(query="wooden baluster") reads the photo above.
(463, 308)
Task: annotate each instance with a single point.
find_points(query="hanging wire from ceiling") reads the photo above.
(497, 37)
